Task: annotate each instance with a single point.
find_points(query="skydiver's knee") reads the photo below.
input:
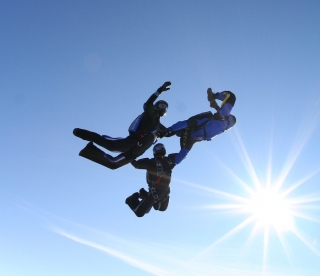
(139, 214)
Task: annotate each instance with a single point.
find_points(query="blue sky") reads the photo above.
(92, 64)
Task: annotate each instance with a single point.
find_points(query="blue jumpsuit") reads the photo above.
(204, 126)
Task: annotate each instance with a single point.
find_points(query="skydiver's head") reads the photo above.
(231, 122)
(159, 150)
(161, 107)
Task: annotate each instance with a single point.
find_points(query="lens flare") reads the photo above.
(270, 209)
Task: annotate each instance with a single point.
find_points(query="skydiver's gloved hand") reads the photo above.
(164, 87)
(163, 132)
(212, 99)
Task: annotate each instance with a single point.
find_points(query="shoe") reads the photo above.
(76, 131)
(143, 193)
(132, 200)
(85, 134)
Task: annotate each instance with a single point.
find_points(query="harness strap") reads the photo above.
(141, 137)
(160, 173)
(215, 116)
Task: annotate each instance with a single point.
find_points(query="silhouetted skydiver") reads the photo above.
(204, 126)
(159, 169)
(142, 134)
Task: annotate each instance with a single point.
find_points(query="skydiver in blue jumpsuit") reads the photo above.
(204, 126)
(142, 134)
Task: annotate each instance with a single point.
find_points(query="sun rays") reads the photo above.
(270, 216)
(269, 207)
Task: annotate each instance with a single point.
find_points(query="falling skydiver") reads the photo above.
(203, 126)
(159, 171)
(142, 134)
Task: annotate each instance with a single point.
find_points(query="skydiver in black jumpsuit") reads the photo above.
(159, 171)
(142, 134)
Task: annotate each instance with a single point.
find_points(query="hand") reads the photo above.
(162, 132)
(211, 96)
(164, 87)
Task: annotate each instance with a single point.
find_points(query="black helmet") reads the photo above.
(161, 107)
(159, 150)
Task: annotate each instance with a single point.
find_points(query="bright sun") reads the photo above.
(270, 209)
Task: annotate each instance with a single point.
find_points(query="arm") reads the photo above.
(177, 126)
(181, 155)
(172, 157)
(149, 103)
(144, 163)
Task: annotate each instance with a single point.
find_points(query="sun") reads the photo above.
(270, 209)
(267, 205)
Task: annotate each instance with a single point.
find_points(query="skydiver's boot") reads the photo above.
(143, 193)
(86, 134)
(133, 201)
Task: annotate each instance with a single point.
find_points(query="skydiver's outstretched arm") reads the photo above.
(155, 95)
(144, 164)
(186, 145)
(181, 155)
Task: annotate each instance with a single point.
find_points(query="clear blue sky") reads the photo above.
(92, 64)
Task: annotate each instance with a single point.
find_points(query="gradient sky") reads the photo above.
(92, 64)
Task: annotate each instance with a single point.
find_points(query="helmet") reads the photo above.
(161, 107)
(159, 150)
(231, 121)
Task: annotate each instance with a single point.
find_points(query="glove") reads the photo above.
(163, 132)
(211, 95)
(164, 87)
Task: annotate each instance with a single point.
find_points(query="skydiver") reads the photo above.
(204, 126)
(143, 132)
(159, 169)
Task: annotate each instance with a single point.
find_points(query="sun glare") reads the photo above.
(271, 205)
(270, 209)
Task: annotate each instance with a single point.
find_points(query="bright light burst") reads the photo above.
(271, 209)
(268, 206)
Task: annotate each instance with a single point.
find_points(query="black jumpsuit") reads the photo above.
(158, 175)
(134, 145)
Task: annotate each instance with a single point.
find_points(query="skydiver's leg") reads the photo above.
(109, 143)
(117, 161)
(132, 147)
(118, 144)
(164, 204)
(143, 193)
(87, 135)
(94, 154)
(157, 205)
(143, 207)
(133, 201)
